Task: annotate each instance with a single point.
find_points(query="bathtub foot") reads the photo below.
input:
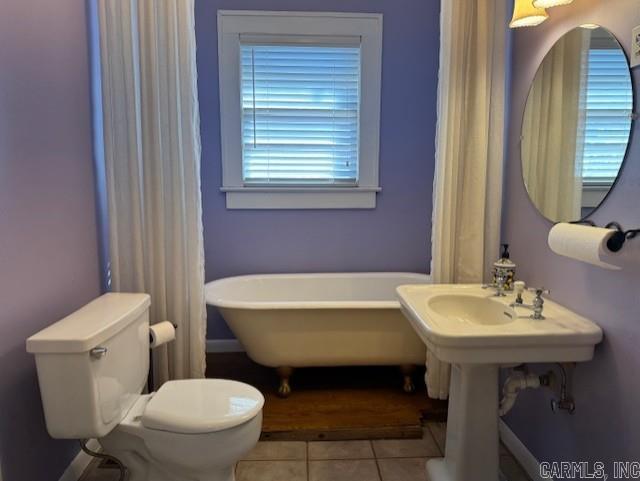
(285, 374)
(407, 372)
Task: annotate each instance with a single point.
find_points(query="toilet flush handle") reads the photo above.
(98, 352)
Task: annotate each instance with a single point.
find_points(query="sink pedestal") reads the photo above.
(472, 451)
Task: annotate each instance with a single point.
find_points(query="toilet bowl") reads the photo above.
(189, 430)
(92, 368)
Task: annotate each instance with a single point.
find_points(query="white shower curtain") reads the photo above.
(469, 151)
(152, 157)
(553, 129)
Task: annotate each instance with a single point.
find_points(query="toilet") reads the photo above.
(92, 370)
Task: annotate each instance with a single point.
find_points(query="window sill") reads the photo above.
(301, 197)
(594, 194)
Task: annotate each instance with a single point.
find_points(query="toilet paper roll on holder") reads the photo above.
(175, 326)
(150, 381)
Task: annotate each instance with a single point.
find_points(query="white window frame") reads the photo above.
(231, 25)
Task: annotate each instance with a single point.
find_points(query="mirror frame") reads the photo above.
(634, 117)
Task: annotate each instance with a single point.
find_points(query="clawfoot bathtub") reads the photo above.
(286, 321)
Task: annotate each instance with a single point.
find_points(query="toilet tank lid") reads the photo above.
(90, 325)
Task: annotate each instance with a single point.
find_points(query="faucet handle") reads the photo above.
(538, 302)
(539, 291)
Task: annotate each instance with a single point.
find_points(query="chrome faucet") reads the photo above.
(537, 305)
(501, 278)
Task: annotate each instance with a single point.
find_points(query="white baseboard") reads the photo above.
(79, 463)
(522, 454)
(224, 345)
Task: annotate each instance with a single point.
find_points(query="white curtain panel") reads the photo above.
(152, 152)
(469, 151)
(553, 129)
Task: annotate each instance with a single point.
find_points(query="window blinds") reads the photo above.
(608, 116)
(300, 114)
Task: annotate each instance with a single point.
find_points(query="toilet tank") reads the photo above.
(93, 365)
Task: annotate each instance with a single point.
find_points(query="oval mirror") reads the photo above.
(577, 123)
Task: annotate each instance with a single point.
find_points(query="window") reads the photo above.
(608, 116)
(300, 109)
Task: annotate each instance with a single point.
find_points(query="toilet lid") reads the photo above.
(201, 406)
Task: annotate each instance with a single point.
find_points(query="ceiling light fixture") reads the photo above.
(550, 3)
(526, 15)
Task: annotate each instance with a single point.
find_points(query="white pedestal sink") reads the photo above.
(477, 332)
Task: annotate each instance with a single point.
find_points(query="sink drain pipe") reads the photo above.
(517, 381)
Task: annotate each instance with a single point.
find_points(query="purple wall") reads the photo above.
(48, 244)
(394, 236)
(605, 425)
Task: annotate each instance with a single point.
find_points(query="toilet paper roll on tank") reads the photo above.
(161, 333)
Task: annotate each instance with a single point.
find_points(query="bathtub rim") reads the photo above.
(303, 305)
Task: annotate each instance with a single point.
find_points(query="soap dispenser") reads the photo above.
(505, 267)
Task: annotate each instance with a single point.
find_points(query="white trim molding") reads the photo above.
(304, 27)
(79, 464)
(300, 198)
(224, 345)
(522, 454)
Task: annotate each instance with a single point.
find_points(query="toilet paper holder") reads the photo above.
(150, 381)
(618, 239)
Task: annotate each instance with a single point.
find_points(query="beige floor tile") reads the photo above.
(511, 470)
(439, 432)
(278, 450)
(343, 470)
(403, 469)
(96, 474)
(271, 471)
(340, 450)
(407, 448)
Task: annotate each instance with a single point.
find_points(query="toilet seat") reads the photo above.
(198, 406)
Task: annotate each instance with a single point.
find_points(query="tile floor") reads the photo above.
(378, 460)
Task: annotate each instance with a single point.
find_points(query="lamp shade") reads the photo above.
(526, 15)
(550, 3)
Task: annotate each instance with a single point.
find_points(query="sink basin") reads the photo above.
(476, 332)
(469, 324)
(465, 309)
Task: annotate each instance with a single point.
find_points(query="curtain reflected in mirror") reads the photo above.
(576, 124)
